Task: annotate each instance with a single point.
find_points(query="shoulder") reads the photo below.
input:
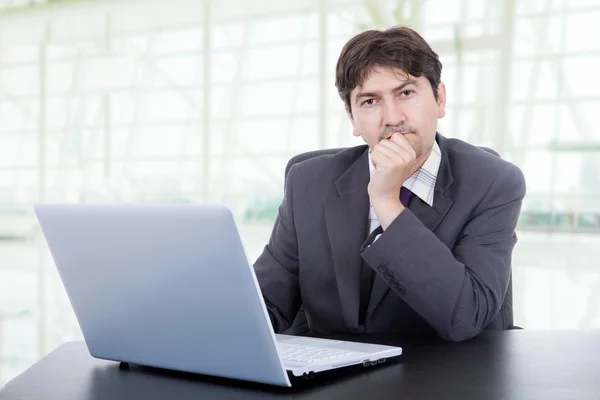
(476, 164)
(480, 169)
(324, 164)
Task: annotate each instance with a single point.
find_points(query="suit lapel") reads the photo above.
(429, 216)
(432, 216)
(347, 227)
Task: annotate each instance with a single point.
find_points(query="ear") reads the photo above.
(441, 100)
(355, 131)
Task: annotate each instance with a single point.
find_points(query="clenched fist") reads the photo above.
(394, 160)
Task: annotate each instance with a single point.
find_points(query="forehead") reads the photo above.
(383, 78)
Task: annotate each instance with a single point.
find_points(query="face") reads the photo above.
(389, 101)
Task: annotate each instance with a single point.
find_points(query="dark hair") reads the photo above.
(398, 47)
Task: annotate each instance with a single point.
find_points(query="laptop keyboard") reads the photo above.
(309, 354)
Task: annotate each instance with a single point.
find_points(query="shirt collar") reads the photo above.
(422, 182)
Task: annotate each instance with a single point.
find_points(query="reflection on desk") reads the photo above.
(495, 365)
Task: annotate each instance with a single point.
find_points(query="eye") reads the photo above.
(368, 102)
(406, 92)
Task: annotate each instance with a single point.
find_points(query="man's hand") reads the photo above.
(394, 161)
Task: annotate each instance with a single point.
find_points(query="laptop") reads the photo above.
(170, 286)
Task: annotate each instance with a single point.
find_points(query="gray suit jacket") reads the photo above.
(444, 268)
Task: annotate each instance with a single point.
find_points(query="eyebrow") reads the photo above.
(398, 88)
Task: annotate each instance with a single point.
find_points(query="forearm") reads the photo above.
(440, 288)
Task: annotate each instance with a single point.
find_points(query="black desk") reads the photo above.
(495, 365)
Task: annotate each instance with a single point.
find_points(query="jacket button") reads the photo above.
(388, 275)
(394, 284)
(382, 268)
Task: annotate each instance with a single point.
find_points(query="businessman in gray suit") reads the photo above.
(411, 233)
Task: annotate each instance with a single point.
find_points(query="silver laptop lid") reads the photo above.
(167, 286)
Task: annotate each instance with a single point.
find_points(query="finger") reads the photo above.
(403, 142)
(379, 159)
(387, 150)
(399, 139)
(401, 153)
(387, 143)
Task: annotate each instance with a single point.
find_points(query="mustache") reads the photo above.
(401, 128)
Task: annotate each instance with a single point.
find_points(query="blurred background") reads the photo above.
(194, 101)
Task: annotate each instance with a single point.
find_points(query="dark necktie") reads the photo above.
(405, 196)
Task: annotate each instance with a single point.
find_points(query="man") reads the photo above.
(413, 232)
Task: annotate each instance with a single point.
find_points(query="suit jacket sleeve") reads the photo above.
(457, 291)
(277, 267)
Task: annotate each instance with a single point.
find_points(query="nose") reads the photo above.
(393, 113)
